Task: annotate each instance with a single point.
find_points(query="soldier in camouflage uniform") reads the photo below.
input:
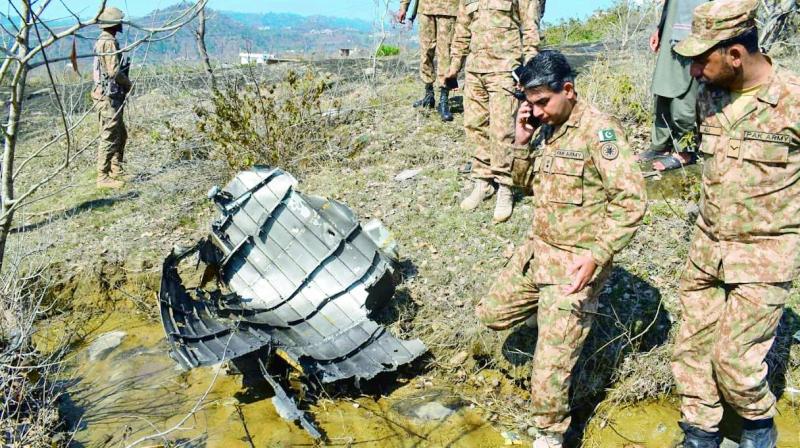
(589, 200)
(437, 19)
(495, 36)
(111, 84)
(744, 253)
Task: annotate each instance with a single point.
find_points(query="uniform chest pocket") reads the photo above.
(497, 13)
(709, 139)
(764, 163)
(565, 179)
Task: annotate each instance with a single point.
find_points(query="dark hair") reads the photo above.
(549, 69)
(748, 39)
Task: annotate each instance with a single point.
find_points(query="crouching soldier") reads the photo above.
(589, 199)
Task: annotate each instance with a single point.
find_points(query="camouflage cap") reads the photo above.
(111, 16)
(716, 21)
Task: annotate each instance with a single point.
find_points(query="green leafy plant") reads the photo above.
(387, 50)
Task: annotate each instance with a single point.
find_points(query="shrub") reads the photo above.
(280, 124)
(387, 50)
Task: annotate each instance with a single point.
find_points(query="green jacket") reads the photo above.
(671, 77)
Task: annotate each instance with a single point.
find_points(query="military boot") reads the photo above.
(697, 438)
(105, 181)
(429, 100)
(546, 440)
(444, 105)
(118, 173)
(481, 191)
(759, 434)
(504, 205)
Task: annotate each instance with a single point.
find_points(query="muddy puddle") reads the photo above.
(124, 387)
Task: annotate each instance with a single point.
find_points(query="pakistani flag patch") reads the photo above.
(607, 135)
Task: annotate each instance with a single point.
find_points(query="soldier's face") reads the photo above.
(714, 67)
(550, 107)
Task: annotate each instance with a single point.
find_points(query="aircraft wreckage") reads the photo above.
(302, 275)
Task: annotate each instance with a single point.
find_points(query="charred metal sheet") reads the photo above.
(305, 276)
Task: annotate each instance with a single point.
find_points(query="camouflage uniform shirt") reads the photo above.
(748, 229)
(434, 7)
(589, 193)
(495, 35)
(108, 60)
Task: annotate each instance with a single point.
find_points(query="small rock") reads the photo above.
(728, 443)
(433, 411)
(510, 438)
(407, 174)
(105, 344)
(459, 358)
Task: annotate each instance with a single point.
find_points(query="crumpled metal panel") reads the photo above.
(305, 276)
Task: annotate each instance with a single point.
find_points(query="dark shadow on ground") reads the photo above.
(629, 320)
(76, 210)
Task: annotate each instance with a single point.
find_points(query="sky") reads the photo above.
(357, 9)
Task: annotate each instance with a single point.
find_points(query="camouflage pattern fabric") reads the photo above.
(563, 321)
(744, 251)
(433, 7)
(113, 135)
(589, 199)
(589, 194)
(495, 35)
(435, 36)
(489, 124)
(749, 221)
(724, 336)
(716, 21)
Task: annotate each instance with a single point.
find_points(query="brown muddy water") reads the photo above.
(123, 388)
(121, 393)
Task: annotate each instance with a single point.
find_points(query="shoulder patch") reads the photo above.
(609, 151)
(607, 135)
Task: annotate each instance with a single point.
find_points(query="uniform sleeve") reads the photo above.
(459, 48)
(404, 4)
(529, 18)
(625, 192)
(109, 58)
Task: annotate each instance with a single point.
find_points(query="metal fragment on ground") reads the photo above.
(304, 276)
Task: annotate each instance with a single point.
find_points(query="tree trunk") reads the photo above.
(200, 36)
(7, 204)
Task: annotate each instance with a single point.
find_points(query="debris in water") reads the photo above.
(304, 277)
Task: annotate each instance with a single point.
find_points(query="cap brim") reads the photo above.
(693, 46)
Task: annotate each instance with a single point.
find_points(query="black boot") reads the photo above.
(444, 105)
(759, 434)
(697, 438)
(429, 100)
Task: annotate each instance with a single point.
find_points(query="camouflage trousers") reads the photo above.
(435, 37)
(675, 118)
(563, 323)
(723, 340)
(113, 136)
(489, 124)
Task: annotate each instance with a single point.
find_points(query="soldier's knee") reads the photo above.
(490, 319)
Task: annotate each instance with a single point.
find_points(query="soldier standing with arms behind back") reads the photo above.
(589, 200)
(437, 19)
(495, 36)
(745, 251)
(111, 85)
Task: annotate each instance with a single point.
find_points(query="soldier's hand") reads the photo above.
(655, 41)
(523, 131)
(581, 272)
(401, 16)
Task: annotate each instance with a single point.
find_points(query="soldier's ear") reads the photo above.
(569, 89)
(735, 53)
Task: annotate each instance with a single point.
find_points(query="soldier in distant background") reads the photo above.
(111, 85)
(674, 90)
(437, 20)
(495, 36)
